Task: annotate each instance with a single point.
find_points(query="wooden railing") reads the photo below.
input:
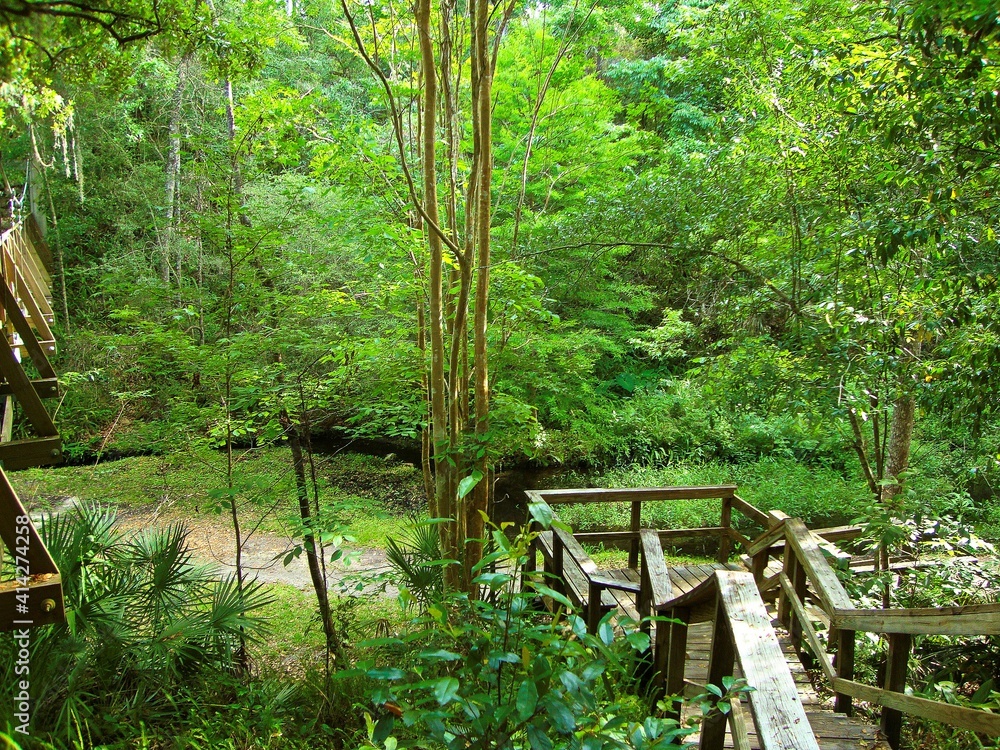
(742, 633)
(724, 533)
(26, 318)
(807, 578)
(31, 594)
(809, 592)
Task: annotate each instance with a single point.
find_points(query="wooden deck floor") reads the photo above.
(833, 731)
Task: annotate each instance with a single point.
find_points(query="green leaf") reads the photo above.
(439, 655)
(382, 729)
(638, 640)
(542, 513)
(544, 590)
(560, 716)
(386, 673)
(469, 482)
(537, 739)
(605, 632)
(445, 690)
(527, 699)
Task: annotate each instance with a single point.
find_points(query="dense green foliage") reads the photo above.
(729, 243)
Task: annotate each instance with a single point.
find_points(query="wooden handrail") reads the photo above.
(978, 619)
(774, 703)
(632, 494)
(654, 570)
(806, 565)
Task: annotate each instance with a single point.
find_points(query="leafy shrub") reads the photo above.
(493, 672)
(143, 621)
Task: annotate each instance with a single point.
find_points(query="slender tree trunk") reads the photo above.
(443, 476)
(173, 174)
(482, 87)
(313, 553)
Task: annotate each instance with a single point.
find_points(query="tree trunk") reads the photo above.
(173, 173)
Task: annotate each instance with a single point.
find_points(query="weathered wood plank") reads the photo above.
(824, 581)
(655, 569)
(635, 494)
(957, 716)
(807, 629)
(778, 713)
(980, 619)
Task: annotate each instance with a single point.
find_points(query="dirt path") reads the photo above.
(359, 572)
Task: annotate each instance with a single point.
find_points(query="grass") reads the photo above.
(369, 495)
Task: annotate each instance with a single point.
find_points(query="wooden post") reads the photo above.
(671, 657)
(758, 565)
(558, 582)
(633, 550)
(799, 584)
(593, 606)
(725, 541)
(845, 669)
(713, 729)
(785, 606)
(896, 662)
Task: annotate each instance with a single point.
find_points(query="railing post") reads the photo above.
(636, 522)
(726, 542)
(593, 606)
(845, 669)
(758, 565)
(713, 729)
(799, 586)
(670, 658)
(896, 662)
(785, 606)
(557, 564)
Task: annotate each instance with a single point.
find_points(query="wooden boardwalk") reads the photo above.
(833, 731)
(718, 624)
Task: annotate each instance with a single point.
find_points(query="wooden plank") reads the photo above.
(979, 619)
(824, 581)
(778, 713)
(768, 540)
(45, 603)
(738, 729)
(670, 656)
(635, 494)
(45, 388)
(655, 567)
(33, 408)
(956, 716)
(666, 535)
(750, 511)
